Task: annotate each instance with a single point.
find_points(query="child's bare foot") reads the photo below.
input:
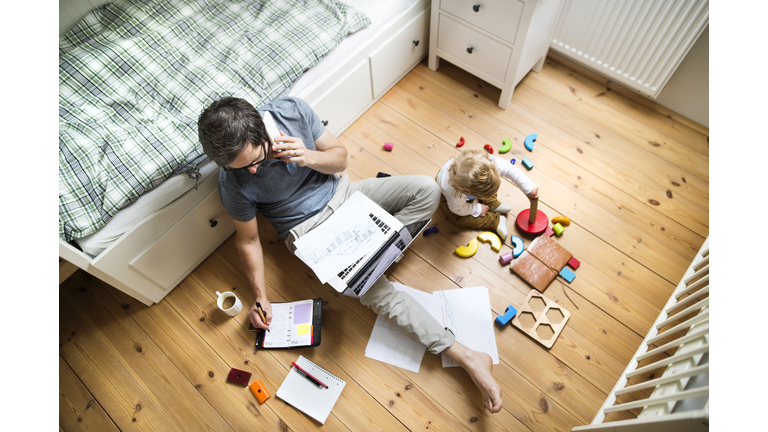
(478, 365)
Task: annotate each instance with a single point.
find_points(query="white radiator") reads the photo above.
(638, 43)
(679, 400)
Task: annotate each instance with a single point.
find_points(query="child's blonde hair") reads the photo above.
(474, 173)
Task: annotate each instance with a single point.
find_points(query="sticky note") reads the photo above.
(304, 329)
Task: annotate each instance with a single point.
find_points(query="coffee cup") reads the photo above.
(229, 303)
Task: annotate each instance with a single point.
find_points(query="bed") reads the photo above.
(155, 240)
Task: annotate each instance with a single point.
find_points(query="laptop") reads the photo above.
(356, 278)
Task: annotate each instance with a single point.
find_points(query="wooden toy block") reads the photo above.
(388, 146)
(562, 220)
(541, 319)
(549, 232)
(549, 252)
(574, 263)
(430, 230)
(527, 163)
(505, 258)
(239, 377)
(488, 148)
(558, 229)
(506, 146)
(509, 313)
(460, 143)
(468, 250)
(258, 390)
(567, 274)
(492, 238)
(517, 245)
(529, 141)
(533, 271)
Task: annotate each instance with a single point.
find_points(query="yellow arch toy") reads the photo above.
(468, 250)
(492, 238)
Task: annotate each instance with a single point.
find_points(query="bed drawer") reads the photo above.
(186, 243)
(473, 48)
(340, 105)
(401, 52)
(499, 17)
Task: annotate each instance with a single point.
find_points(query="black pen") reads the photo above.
(261, 313)
(307, 375)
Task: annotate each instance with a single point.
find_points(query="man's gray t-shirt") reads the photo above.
(285, 193)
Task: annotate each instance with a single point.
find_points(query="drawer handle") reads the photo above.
(470, 49)
(213, 223)
(416, 43)
(476, 8)
(324, 122)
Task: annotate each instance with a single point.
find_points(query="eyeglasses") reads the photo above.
(264, 150)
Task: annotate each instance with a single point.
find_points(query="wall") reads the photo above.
(687, 91)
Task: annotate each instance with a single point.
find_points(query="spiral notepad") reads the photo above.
(305, 396)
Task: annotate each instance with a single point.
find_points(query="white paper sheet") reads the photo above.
(467, 312)
(348, 235)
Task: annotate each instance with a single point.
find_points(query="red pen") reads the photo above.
(307, 375)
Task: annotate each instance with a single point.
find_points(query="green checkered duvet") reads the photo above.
(135, 75)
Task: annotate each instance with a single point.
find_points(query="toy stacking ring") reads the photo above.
(532, 221)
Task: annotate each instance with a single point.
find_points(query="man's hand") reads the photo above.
(291, 149)
(253, 314)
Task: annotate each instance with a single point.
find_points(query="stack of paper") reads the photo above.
(466, 311)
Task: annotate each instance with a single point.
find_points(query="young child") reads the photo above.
(469, 183)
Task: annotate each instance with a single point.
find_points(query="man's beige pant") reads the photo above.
(409, 199)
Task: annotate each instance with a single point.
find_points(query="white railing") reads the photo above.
(679, 400)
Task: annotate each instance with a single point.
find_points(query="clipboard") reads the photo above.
(315, 327)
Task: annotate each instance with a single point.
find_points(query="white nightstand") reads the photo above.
(498, 41)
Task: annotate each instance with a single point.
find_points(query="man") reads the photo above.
(292, 181)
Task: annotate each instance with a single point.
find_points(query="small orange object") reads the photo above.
(258, 390)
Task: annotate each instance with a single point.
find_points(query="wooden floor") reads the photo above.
(632, 176)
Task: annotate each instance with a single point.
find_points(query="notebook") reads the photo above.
(307, 397)
(356, 245)
(294, 325)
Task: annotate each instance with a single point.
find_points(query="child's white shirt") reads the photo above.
(459, 205)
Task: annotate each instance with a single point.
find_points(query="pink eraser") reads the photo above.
(388, 146)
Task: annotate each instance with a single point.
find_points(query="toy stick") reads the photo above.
(534, 208)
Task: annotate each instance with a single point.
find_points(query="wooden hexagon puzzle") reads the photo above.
(541, 319)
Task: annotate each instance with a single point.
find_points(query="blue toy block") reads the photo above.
(430, 230)
(529, 141)
(567, 274)
(527, 163)
(509, 313)
(512, 161)
(517, 246)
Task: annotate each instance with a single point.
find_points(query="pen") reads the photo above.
(308, 376)
(261, 313)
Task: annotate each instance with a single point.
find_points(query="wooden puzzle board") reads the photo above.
(541, 319)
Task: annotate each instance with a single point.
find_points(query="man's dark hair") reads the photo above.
(227, 126)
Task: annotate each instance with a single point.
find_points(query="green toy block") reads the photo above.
(558, 229)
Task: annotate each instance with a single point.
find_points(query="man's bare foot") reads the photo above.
(478, 365)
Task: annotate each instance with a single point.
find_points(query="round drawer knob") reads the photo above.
(470, 49)
(213, 223)
(476, 8)
(415, 43)
(324, 122)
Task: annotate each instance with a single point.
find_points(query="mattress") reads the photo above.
(381, 13)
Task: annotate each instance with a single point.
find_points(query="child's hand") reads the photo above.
(484, 210)
(534, 194)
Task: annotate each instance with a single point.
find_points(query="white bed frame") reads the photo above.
(155, 255)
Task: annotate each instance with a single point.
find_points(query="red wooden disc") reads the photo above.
(537, 227)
